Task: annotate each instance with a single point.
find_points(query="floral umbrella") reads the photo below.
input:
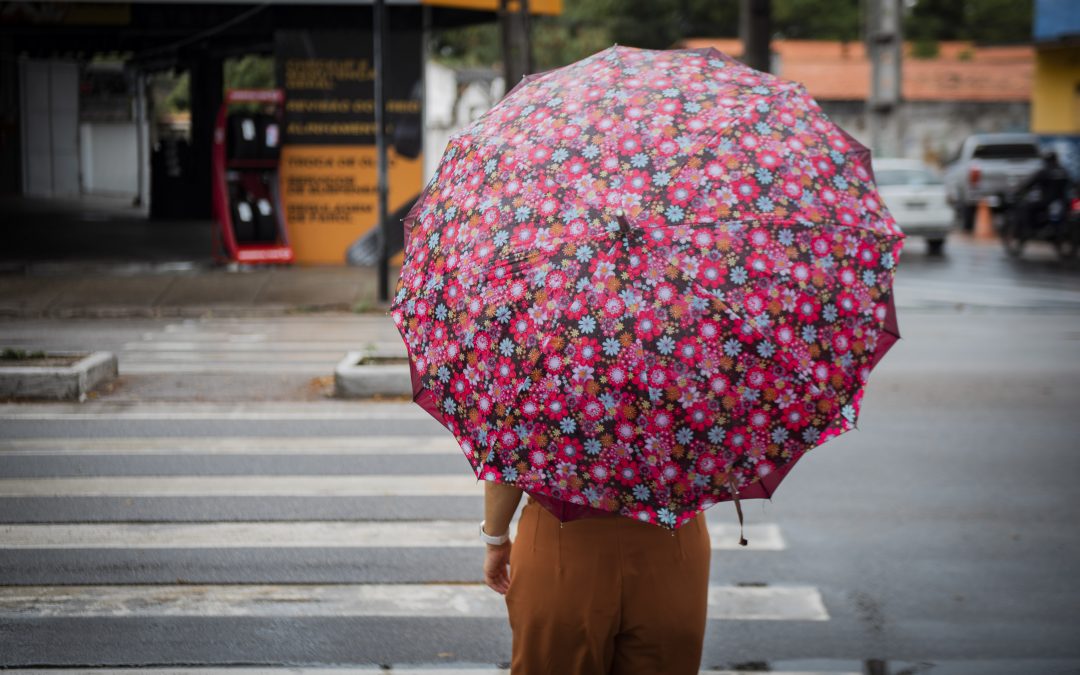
(647, 282)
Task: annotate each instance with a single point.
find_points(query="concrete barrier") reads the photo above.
(359, 375)
(58, 383)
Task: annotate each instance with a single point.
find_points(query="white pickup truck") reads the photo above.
(987, 166)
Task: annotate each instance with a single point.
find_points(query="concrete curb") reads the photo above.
(368, 380)
(69, 383)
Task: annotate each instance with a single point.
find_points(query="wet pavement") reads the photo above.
(940, 537)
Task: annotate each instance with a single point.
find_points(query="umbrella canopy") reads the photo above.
(647, 282)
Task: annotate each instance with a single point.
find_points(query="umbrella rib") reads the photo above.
(888, 236)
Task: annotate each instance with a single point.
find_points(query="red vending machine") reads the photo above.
(249, 226)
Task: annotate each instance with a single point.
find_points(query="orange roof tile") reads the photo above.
(840, 71)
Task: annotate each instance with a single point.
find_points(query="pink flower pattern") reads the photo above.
(644, 275)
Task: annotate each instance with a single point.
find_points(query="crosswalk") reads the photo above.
(297, 345)
(389, 670)
(313, 346)
(97, 532)
(794, 603)
(305, 533)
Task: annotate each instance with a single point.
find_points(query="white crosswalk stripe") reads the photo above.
(914, 293)
(297, 534)
(404, 412)
(239, 445)
(458, 485)
(793, 603)
(275, 345)
(339, 671)
(228, 365)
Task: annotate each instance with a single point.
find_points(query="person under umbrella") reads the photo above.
(640, 285)
(599, 595)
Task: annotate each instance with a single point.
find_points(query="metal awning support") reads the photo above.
(755, 30)
(379, 33)
(516, 41)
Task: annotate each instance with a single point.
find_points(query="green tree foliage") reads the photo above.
(999, 21)
(556, 43)
(817, 19)
(178, 96)
(476, 45)
(252, 71)
(587, 26)
(981, 21)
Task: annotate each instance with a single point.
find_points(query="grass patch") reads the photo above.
(13, 358)
(11, 354)
(382, 360)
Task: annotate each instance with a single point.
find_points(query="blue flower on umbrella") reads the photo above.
(611, 347)
(717, 435)
(665, 345)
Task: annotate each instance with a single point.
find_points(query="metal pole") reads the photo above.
(526, 39)
(509, 79)
(516, 41)
(885, 45)
(380, 148)
(141, 140)
(755, 29)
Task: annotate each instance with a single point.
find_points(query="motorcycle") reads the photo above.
(1026, 219)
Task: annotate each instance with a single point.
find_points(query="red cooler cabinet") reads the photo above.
(248, 222)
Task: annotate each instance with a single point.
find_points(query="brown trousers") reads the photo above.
(607, 596)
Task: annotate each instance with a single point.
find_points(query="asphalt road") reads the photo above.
(940, 537)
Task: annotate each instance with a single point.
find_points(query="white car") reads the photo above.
(915, 195)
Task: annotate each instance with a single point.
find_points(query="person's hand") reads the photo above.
(496, 567)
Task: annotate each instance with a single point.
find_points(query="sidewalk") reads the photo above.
(101, 257)
(125, 291)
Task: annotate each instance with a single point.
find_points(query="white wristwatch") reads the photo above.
(494, 541)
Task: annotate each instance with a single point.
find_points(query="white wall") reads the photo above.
(450, 107)
(109, 154)
(49, 101)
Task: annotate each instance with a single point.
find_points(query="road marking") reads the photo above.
(449, 485)
(304, 534)
(258, 343)
(338, 671)
(230, 365)
(246, 356)
(443, 670)
(733, 603)
(914, 293)
(234, 445)
(360, 326)
(272, 411)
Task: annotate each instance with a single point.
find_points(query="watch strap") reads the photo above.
(494, 541)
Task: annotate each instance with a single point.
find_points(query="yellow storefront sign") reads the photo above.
(330, 196)
(535, 6)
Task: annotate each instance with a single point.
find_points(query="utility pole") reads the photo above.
(884, 46)
(516, 41)
(379, 33)
(755, 31)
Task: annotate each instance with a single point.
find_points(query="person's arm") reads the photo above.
(500, 502)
